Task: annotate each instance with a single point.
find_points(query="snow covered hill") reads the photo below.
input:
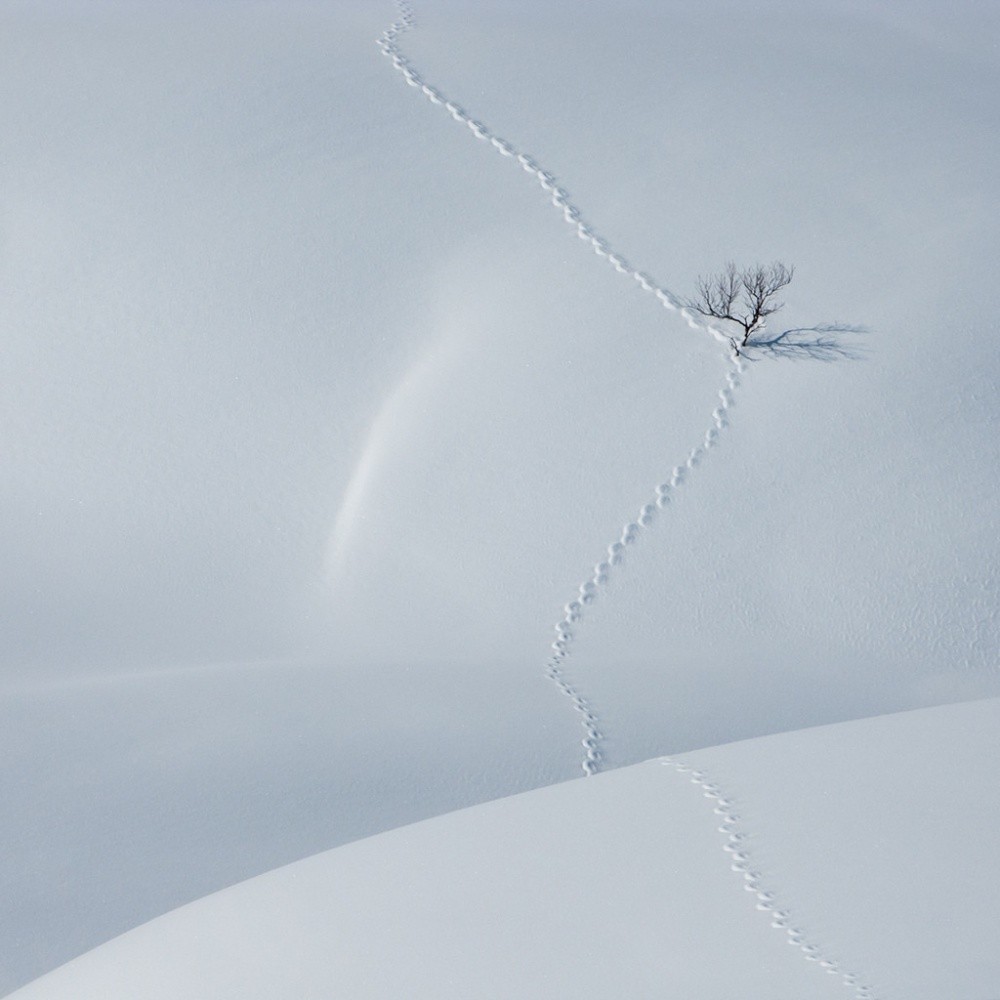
(320, 406)
(872, 844)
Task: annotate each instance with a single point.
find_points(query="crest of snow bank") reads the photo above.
(617, 887)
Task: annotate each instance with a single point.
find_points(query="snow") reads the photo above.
(318, 412)
(875, 837)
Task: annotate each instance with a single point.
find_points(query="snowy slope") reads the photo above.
(875, 838)
(317, 412)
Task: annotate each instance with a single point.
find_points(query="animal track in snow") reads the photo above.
(573, 216)
(614, 556)
(558, 196)
(738, 845)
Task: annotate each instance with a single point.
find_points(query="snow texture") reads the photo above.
(873, 839)
(329, 376)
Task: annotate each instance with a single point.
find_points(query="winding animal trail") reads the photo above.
(739, 848)
(613, 557)
(737, 843)
(571, 214)
(560, 199)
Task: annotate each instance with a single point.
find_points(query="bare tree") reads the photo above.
(745, 297)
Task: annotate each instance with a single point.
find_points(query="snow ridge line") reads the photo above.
(738, 846)
(571, 214)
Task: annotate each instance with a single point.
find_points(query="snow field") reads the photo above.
(510, 898)
(314, 411)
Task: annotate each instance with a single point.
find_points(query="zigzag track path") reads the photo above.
(659, 496)
(737, 840)
(737, 843)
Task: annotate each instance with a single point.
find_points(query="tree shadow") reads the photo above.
(823, 342)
